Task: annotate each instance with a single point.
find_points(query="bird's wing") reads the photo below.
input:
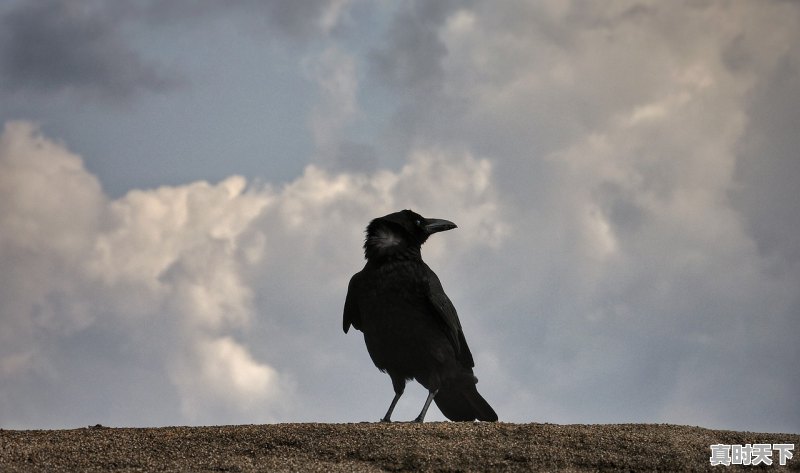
(351, 314)
(449, 317)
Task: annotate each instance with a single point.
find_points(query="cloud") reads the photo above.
(412, 57)
(55, 46)
(158, 269)
(408, 63)
(58, 46)
(221, 375)
(48, 240)
(211, 291)
(296, 21)
(767, 167)
(334, 72)
(623, 179)
(616, 135)
(294, 18)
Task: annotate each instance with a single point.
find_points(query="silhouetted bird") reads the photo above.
(410, 327)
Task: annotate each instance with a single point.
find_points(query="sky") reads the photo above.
(184, 187)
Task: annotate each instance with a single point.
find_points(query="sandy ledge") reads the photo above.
(435, 446)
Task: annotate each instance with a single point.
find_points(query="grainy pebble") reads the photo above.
(444, 446)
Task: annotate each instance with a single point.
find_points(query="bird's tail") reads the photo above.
(461, 402)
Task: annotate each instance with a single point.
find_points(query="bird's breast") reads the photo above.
(400, 329)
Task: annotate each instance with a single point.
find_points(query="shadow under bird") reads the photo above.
(410, 327)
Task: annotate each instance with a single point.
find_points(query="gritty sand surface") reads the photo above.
(436, 446)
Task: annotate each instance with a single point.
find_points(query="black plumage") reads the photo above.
(410, 327)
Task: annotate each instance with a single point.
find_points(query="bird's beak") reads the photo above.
(434, 225)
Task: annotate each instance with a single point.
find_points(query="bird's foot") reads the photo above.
(386, 420)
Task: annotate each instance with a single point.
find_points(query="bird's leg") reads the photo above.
(399, 384)
(388, 416)
(421, 417)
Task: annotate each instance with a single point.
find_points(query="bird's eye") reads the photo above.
(418, 223)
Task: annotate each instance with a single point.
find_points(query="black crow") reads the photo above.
(410, 327)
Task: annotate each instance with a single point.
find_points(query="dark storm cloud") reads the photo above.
(356, 157)
(53, 46)
(294, 20)
(769, 166)
(410, 65)
(412, 58)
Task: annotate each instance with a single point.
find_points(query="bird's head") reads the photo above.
(401, 233)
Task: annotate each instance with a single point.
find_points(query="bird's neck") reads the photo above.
(383, 245)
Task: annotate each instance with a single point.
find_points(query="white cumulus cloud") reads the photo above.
(211, 290)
